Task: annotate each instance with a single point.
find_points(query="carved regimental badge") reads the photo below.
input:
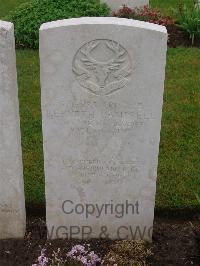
(102, 66)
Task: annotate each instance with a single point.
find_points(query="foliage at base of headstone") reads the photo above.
(134, 253)
(28, 17)
(144, 14)
(188, 18)
(80, 255)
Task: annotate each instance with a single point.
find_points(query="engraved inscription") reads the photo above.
(115, 171)
(7, 209)
(102, 66)
(84, 116)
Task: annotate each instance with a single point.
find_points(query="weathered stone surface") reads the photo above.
(116, 4)
(12, 203)
(102, 93)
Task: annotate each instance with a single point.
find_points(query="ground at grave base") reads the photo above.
(175, 242)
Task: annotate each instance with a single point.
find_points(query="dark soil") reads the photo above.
(175, 242)
(178, 38)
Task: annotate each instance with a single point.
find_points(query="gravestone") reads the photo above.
(102, 94)
(12, 202)
(117, 4)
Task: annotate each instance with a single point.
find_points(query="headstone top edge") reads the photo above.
(6, 25)
(103, 20)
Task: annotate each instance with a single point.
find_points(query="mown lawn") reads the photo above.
(179, 160)
(30, 113)
(168, 6)
(8, 5)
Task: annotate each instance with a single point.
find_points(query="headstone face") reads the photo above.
(12, 202)
(102, 93)
(117, 4)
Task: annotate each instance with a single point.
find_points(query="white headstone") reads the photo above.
(117, 4)
(12, 202)
(102, 94)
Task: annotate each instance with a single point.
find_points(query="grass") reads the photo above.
(8, 5)
(179, 160)
(178, 173)
(30, 113)
(167, 6)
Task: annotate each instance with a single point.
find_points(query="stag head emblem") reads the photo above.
(98, 74)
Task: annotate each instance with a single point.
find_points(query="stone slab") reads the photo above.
(102, 93)
(117, 4)
(12, 202)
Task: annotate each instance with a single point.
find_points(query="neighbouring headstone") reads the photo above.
(117, 4)
(102, 94)
(12, 202)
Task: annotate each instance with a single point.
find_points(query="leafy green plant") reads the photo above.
(188, 18)
(28, 17)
